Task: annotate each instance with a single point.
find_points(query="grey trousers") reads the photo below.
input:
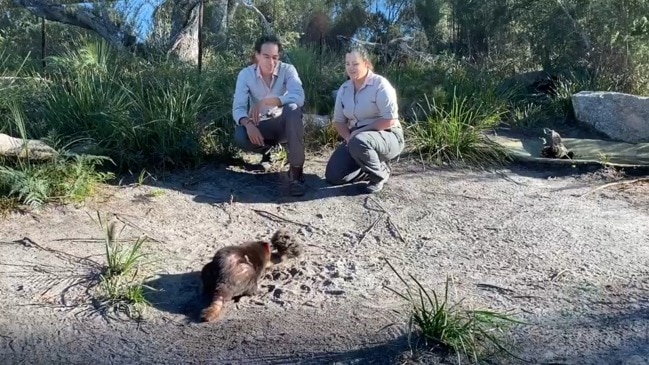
(287, 128)
(365, 154)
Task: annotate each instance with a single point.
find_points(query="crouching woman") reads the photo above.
(366, 116)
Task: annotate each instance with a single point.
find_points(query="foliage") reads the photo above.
(69, 177)
(148, 110)
(121, 286)
(456, 134)
(470, 333)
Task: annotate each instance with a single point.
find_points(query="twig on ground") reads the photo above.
(557, 275)
(368, 229)
(389, 219)
(28, 242)
(625, 182)
(504, 176)
(120, 218)
(496, 287)
(274, 216)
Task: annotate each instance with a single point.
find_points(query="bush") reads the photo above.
(455, 134)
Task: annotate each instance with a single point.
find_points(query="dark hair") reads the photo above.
(362, 52)
(269, 38)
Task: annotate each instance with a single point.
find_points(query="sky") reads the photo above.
(142, 10)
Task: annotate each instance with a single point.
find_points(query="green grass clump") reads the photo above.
(455, 134)
(121, 287)
(472, 333)
(66, 177)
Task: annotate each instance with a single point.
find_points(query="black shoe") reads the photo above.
(296, 177)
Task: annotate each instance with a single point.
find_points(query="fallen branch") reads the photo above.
(368, 229)
(390, 222)
(625, 182)
(276, 217)
(70, 258)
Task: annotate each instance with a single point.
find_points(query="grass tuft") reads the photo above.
(122, 288)
(66, 177)
(455, 134)
(445, 326)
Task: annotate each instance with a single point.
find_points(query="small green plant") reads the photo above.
(456, 134)
(441, 325)
(120, 284)
(65, 177)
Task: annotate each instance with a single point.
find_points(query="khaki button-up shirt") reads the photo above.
(376, 99)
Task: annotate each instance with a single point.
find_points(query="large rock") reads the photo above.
(620, 116)
(16, 147)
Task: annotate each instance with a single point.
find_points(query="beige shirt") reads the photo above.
(376, 99)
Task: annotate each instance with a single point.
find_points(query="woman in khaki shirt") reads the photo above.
(366, 115)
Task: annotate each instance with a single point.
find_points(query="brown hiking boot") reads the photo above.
(296, 187)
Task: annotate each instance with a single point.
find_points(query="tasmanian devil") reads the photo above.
(233, 272)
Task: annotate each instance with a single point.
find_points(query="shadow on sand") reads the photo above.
(177, 294)
(245, 183)
(180, 294)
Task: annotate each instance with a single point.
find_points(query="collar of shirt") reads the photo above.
(275, 71)
(369, 81)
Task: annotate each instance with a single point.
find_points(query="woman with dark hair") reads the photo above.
(267, 109)
(366, 116)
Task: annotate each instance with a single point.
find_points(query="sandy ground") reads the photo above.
(575, 267)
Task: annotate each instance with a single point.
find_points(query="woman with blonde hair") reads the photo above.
(366, 116)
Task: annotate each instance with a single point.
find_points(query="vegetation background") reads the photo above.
(117, 82)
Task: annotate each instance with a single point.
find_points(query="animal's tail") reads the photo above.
(216, 308)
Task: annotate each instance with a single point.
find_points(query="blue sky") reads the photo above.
(142, 10)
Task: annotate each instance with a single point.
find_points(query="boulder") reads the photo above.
(14, 147)
(315, 119)
(620, 116)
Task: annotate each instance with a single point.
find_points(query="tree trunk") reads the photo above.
(183, 41)
(184, 30)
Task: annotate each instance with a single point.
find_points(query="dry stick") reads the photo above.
(390, 222)
(120, 218)
(28, 242)
(270, 215)
(370, 228)
(625, 182)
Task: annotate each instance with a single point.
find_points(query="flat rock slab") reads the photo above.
(586, 151)
(623, 117)
(16, 147)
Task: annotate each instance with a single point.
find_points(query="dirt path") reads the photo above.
(576, 267)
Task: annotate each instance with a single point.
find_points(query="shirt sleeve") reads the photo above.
(294, 90)
(339, 116)
(386, 101)
(240, 99)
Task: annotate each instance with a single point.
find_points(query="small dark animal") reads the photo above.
(287, 245)
(233, 272)
(553, 146)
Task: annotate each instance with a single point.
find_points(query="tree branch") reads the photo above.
(79, 17)
(264, 21)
